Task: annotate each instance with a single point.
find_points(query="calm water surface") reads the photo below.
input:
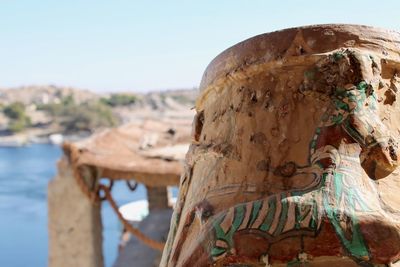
(24, 174)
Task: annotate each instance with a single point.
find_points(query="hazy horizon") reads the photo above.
(105, 91)
(105, 46)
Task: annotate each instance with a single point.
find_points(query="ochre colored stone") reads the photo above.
(294, 154)
(75, 229)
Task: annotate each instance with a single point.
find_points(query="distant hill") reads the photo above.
(47, 94)
(70, 110)
(50, 94)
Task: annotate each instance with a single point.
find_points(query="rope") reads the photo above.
(92, 196)
(95, 198)
(136, 232)
(73, 154)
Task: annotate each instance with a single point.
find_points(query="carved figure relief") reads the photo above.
(289, 150)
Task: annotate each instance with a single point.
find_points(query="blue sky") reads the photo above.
(127, 45)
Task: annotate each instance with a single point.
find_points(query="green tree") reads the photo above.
(19, 125)
(19, 121)
(87, 117)
(59, 109)
(73, 117)
(15, 110)
(119, 100)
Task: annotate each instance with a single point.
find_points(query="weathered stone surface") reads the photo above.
(158, 197)
(132, 151)
(295, 153)
(75, 230)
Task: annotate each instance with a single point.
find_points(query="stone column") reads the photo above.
(158, 197)
(294, 153)
(75, 228)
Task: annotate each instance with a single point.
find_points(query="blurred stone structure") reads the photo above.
(150, 152)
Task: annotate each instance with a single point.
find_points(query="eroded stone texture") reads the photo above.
(295, 153)
(75, 229)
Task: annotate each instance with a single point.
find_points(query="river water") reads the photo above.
(24, 175)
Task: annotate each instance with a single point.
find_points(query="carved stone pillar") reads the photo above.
(294, 153)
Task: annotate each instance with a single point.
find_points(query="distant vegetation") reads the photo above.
(19, 121)
(116, 100)
(83, 117)
(183, 99)
(47, 109)
(14, 111)
(87, 117)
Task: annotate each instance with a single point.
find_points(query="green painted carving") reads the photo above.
(332, 190)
